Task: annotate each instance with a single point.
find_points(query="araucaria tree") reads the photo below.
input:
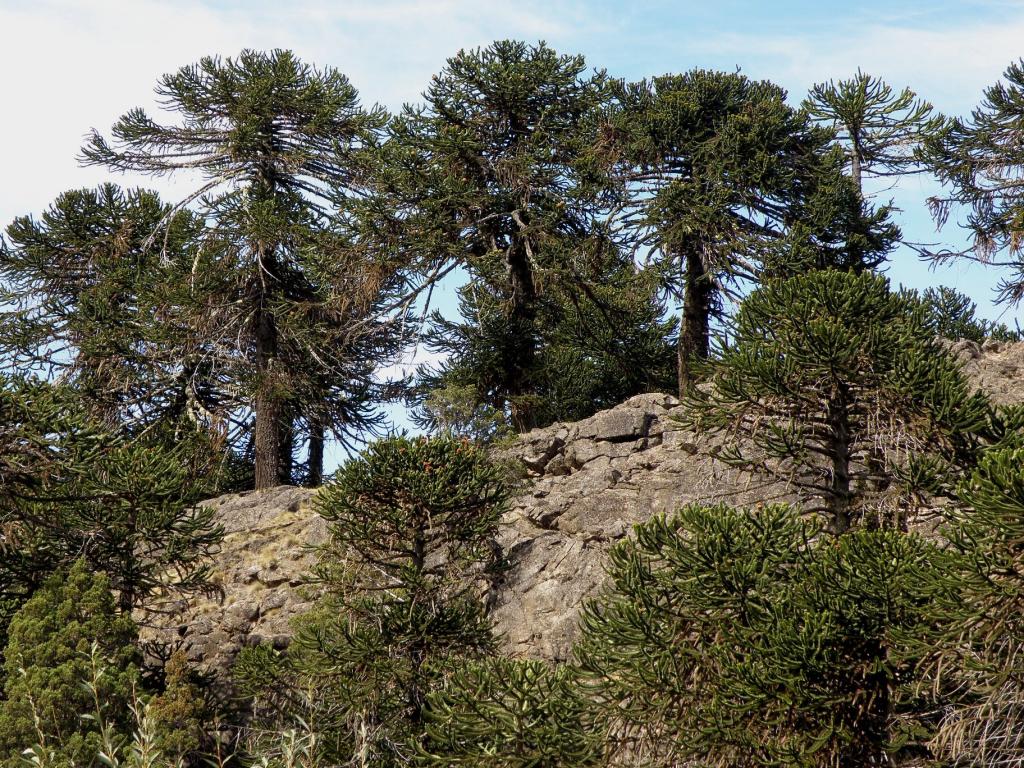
(980, 160)
(837, 386)
(74, 489)
(275, 298)
(412, 523)
(79, 289)
(734, 637)
(596, 347)
(980, 620)
(879, 130)
(490, 173)
(717, 169)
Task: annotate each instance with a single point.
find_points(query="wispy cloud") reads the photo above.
(949, 64)
(71, 65)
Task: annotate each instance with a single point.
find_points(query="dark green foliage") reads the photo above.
(412, 523)
(593, 350)
(951, 315)
(879, 130)
(281, 304)
(718, 169)
(979, 160)
(492, 173)
(48, 658)
(511, 713)
(982, 632)
(80, 288)
(837, 386)
(75, 490)
(745, 637)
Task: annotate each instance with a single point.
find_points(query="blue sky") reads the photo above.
(69, 65)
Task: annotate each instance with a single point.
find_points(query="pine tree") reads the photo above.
(718, 169)
(746, 637)
(979, 160)
(837, 386)
(492, 173)
(411, 523)
(879, 130)
(511, 713)
(280, 293)
(48, 657)
(977, 647)
(594, 349)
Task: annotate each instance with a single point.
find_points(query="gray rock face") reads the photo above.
(258, 579)
(586, 485)
(602, 476)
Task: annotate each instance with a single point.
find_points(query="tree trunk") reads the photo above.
(286, 454)
(856, 161)
(523, 321)
(695, 329)
(839, 505)
(315, 475)
(267, 430)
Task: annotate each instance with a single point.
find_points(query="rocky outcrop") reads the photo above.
(588, 484)
(259, 582)
(584, 486)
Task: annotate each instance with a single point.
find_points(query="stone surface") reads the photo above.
(585, 486)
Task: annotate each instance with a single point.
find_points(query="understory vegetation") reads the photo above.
(697, 233)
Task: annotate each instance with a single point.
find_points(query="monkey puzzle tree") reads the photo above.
(412, 522)
(74, 489)
(80, 291)
(489, 173)
(278, 144)
(837, 386)
(980, 160)
(719, 168)
(735, 637)
(595, 347)
(879, 130)
(512, 713)
(981, 632)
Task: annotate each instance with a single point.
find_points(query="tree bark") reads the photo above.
(695, 329)
(523, 319)
(315, 475)
(856, 161)
(286, 454)
(838, 418)
(267, 430)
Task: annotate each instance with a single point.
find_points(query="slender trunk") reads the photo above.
(855, 172)
(695, 330)
(267, 431)
(839, 501)
(523, 322)
(856, 161)
(417, 651)
(286, 455)
(315, 475)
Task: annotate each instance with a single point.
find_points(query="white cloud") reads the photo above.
(70, 65)
(949, 65)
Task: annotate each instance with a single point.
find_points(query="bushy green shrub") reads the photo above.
(49, 656)
(733, 637)
(412, 523)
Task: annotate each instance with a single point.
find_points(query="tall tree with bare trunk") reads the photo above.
(275, 293)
